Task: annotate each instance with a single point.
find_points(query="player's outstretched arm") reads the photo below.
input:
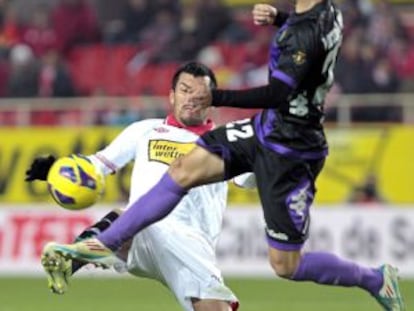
(120, 151)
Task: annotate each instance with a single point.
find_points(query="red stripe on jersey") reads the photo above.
(106, 162)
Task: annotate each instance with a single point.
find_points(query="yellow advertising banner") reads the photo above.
(378, 157)
(21, 145)
(362, 160)
(383, 154)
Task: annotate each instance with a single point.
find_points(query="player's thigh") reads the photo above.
(184, 261)
(287, 189)
(141, 260)
(235, 143)
(197, 167)
(187, 263)
(221, 154)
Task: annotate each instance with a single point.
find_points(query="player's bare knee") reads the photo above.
(284, 267)
(281, 269)
(284, 263)
(180, 174)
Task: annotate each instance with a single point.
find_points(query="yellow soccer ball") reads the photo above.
(74, 183)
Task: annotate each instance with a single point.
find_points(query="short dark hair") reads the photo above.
(195, 69)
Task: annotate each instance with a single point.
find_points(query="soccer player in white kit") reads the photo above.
(178, 251)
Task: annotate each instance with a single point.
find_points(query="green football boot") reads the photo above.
(58, 270)
(389, 295)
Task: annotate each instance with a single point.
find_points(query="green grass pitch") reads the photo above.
(132, 294)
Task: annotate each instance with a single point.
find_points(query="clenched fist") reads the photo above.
(264, 14)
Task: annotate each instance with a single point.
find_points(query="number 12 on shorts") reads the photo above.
(239, 129)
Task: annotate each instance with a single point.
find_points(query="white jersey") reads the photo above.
(179, 250)
(153, 145)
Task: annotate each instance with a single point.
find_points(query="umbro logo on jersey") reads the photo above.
(161, 130)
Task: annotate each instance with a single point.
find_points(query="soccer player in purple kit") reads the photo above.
(284, 145)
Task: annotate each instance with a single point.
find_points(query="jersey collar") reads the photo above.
(196, 129)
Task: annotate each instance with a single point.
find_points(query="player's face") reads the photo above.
(190, 99)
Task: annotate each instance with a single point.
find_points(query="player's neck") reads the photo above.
(303, 6)
(197, 129)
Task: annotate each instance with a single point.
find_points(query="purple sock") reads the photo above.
(151, 207)
(325, 268)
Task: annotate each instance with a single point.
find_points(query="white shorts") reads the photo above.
(183, 260)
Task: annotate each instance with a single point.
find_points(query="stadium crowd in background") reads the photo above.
(61, 58)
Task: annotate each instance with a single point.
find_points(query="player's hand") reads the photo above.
(264, 14)
(39, 168)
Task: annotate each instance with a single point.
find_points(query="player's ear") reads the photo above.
(171, 97)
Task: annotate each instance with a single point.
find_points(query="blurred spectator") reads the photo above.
(75, 22)
(371, 36)
(354, 15)
(402, 58)
(384, 25)
(136, 15)
(256, 50)
(9, 26)
(159, 34)
(30, 77)
(251, 61)
(197, 29)
(209, 29)
(121, 117)
(385, 79)
(377, 55)
(54, 78)
(4, 77)
(24, 72)
(355, 64)
(186, 46)
(39, 33)
(367, 192)
(172, 6)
